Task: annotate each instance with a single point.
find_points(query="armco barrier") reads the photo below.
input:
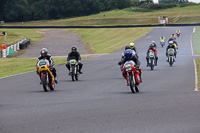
(114, 26)
(15, 47)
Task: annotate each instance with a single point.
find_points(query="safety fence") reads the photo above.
(15, 47)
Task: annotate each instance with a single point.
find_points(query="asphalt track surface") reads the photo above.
(100, 102)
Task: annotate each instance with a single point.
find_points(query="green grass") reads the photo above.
(110, 40)
(198, 71)
(11, 66)
(196, 41)
(15, 35)
(189, 14)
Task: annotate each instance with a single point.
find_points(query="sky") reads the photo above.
(197, 1)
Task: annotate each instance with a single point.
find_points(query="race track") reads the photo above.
(101, 102)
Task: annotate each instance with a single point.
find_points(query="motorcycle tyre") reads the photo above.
(130, 77)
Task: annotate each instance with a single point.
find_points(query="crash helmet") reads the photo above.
(151, 46)
(74, 49)
(43, 52)
(153, 42)
(127, 47)
(170, 43)
(132, 45)
(172, 35)
(128, 54)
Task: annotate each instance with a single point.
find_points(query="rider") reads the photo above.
(132, 46)
(44, 55)
(128, 55)
(74, 54)
(162, 38)
(154, 44)
(123, 57)
(174, 41)
(171, 45)
(173, 36)
(151, 47)
(178, 31)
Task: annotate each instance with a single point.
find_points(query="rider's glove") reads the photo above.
(79, 61)
(137, 66)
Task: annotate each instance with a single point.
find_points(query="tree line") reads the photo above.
(29, 10)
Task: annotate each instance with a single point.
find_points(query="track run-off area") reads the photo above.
(100, 102)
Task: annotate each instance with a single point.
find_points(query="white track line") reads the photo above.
(195, 64)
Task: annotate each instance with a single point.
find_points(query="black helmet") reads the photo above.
(151, 46)
(74, 49)
(127, 47)
(43, 52)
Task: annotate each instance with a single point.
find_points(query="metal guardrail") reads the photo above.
(114, 26)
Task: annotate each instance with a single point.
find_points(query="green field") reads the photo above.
(11, 66)
(196, 43)
(188, 14)
(110, 40)
(16, 35)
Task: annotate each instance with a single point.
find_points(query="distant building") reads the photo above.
(172, 1)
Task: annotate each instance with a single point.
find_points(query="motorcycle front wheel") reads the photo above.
(44, 83)
(132, 85)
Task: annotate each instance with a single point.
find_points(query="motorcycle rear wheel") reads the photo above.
(52, 88)
(137, 88)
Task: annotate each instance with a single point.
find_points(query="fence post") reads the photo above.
(15, 47)
(4, 53)
(18, 46)
(7, 50)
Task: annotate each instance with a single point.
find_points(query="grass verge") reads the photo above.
(12, 66)
(16, 35)
(110, 40)
(198, 71)
(196, 43)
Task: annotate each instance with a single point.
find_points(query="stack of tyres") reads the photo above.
(24, 43)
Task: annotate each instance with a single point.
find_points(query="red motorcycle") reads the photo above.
(132, 76)
(178, 34)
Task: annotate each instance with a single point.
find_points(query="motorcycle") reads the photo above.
(162, 42)
(46, 76)
(132, 76)
(151, 59)
(178, 34)
(171, 56)
(74, 68)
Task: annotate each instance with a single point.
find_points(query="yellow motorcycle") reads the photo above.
(46, 76)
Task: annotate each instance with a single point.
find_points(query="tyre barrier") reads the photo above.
(15, 47)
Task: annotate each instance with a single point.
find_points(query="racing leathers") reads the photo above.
(77, 57)
(174, 41)
(134, 58)
(51, 62)
(155, 52)
(170, 46)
